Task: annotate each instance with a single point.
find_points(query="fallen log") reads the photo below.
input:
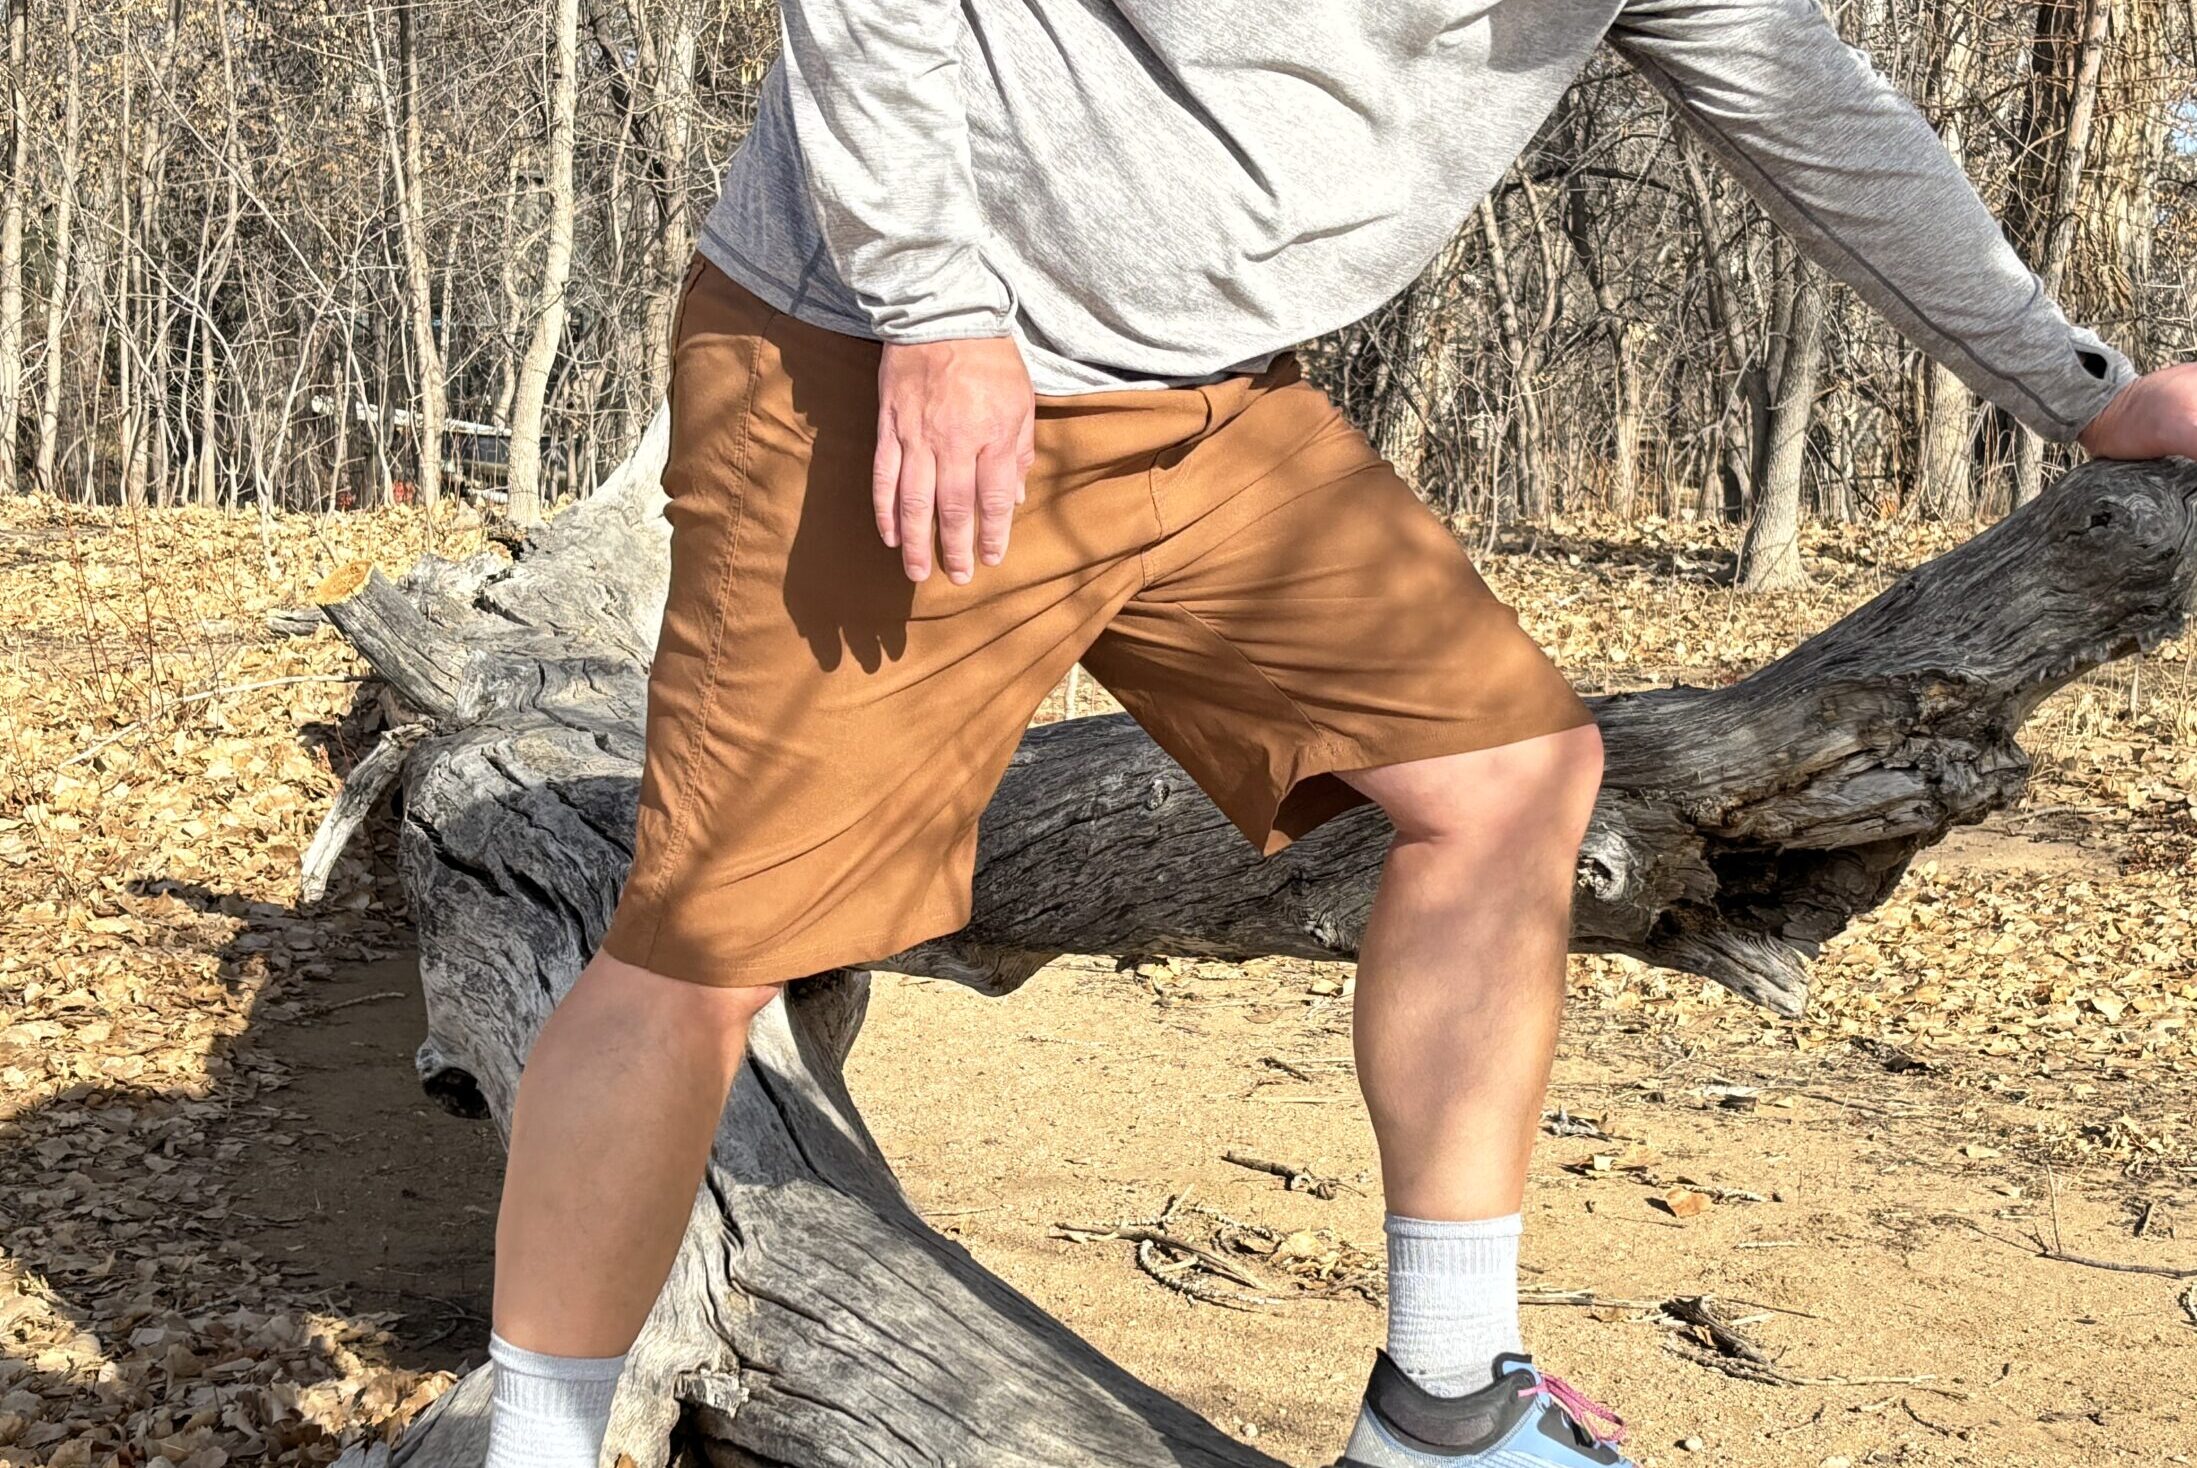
(812, 1318)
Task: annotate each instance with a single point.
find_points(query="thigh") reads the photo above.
(1306, 614)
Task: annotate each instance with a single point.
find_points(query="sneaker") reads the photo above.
(1524, 1420)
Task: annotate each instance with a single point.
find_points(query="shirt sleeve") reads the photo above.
(1840, 159)
(875, 94)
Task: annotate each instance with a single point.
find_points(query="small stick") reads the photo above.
(1298, 1179)
(1142, 1235)
(315, 1011)
(175, 703)
(1557, 1295)
(1772, 1376)
(1773, 1309)
(1939, 1428)
(1634, 1218)
(2052, 1187)
(1545, 1295)
(1811, 1420)
(2163, 1271)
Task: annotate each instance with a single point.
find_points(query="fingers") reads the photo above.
(1025, 456)
(998, 491)
(917, 489)
(970, 503)
(955, 442)
(885, 482)
(957, 517)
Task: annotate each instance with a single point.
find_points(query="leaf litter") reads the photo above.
(165, 757)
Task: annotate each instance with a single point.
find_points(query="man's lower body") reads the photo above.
(1239, 567)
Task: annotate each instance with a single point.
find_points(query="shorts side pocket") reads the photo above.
(706, 533)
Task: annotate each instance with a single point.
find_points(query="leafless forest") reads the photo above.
(267, 254)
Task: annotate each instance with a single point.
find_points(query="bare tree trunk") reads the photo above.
(1946, 447)
(2069, 58)
(1547, 245)
(1743, 421)
(1420, 387)
(1769, 558)
(1617, 335)
(407, 157)
(155, 302)
(208, 490)
(1522, 413)
(66, 161)
(656, 94)
(2135, 140)
(11, 243)
(530, 397)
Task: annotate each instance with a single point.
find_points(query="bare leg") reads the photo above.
(616, 1109)
(1461, 970)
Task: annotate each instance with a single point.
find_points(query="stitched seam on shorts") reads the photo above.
(1159, 519)
(679, 307)
(676, 840)
(1319, 734)
(811, 953)
(1286, 461)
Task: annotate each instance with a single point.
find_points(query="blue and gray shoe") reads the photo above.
(1524, 1420)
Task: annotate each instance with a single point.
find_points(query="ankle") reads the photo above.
(1452, 1300)
(549, 1411)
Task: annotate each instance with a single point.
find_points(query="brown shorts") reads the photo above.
(1235, 563)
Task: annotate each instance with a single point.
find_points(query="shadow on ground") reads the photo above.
(171, 1241)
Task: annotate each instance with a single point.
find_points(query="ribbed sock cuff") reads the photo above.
(1452, 1299)
(533, 1384)
(1434, 1244)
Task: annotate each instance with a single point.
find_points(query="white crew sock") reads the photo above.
(1452, 1299)
(549, 1411)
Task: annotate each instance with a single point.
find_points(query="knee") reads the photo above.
(1523, 796)
(1575, 773)
(659, 1015)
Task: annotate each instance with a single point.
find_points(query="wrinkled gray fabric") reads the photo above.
(1157, 192)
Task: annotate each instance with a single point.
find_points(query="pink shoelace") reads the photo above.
(1580, 1406)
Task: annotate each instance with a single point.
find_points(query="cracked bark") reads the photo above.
(812, 1318)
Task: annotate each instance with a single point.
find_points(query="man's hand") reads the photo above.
(954, 426)
(2154, 416)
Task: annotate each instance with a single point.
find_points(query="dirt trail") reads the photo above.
(1086, 1098)
(232, 1230)
(1900, 1216)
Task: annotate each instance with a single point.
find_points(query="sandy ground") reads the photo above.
(232, 1229)
(1894, 1259)
(1085, 1099)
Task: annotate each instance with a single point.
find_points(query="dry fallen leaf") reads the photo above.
(1684, 1202)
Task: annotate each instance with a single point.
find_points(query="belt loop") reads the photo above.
(1212, 409)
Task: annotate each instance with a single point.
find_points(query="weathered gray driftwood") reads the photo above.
(813, 1319)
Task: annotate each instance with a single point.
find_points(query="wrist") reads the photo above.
(2091, 434)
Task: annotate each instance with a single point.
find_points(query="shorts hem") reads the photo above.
(1316, 793)
(691, 964)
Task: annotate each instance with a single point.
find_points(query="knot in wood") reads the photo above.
(1606, 867)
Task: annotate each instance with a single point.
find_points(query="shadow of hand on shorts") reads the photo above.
(844, 588)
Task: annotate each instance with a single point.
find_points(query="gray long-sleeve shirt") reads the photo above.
(1148, 192)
